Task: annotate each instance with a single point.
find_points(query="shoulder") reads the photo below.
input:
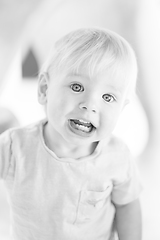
(18, 147)
(116, 152)
(28, 130)
(20, 135)
(116, 145)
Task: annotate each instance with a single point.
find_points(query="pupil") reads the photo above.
(107, 98)
(76, 87)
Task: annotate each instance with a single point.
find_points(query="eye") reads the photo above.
(76, 87)
(108, 98)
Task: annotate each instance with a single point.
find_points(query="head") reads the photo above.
(81, 79)
(100, 49)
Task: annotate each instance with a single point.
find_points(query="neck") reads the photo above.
(73, 152)
(64, 149)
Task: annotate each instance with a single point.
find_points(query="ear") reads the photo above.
(43, 88)
(126, 102)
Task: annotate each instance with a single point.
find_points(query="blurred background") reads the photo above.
(29, 28)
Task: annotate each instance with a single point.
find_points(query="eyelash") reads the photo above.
(110, 98)
(76, 87)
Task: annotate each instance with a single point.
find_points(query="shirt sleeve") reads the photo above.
(127, 186)
(5, 153)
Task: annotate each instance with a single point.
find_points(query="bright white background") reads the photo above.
(40, 23)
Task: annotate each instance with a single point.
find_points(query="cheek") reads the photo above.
(59, 104)
(56, 108)
(109, 120)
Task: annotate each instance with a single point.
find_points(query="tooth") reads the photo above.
(83, 121)
(80, 122)
(83, 128)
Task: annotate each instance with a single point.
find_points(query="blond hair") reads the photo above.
(100, 49)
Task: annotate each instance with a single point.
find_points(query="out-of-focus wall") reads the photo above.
(13, 17)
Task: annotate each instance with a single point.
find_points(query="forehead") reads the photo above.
(105, 78)
(112, 79)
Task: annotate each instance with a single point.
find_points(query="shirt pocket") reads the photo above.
(92, 202)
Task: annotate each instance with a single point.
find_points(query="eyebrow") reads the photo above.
(118, 91)
(74, 74)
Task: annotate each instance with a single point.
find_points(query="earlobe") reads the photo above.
(126, 102)
(42, 88)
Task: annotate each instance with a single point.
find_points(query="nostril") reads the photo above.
(84, 106)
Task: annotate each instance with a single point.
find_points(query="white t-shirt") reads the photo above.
(55, 198)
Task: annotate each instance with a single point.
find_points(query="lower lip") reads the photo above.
(80, 132)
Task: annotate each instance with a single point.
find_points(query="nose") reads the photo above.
(86, 106)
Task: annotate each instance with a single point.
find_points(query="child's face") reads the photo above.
(83, 109)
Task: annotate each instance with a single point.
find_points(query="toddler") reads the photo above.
(67, 176)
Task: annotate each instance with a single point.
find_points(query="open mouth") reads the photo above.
(81, 125)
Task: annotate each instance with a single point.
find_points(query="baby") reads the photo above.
(68, 177)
